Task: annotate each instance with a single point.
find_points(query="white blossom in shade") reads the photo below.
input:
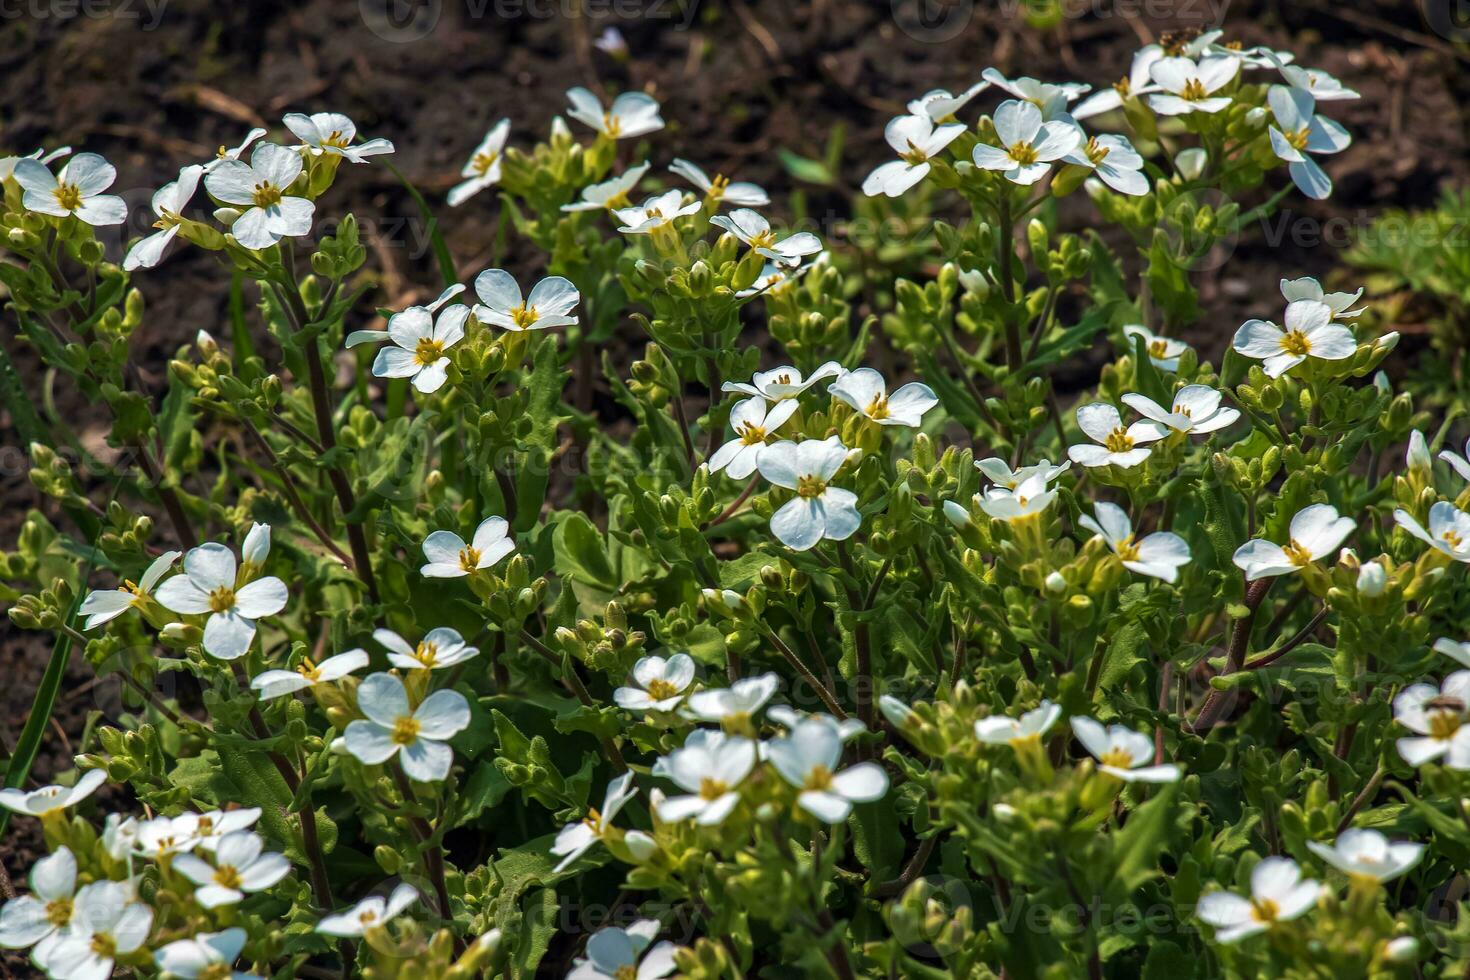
(1309, 332)
(1455, 650)
(1308, 288)
(549, 305)
(104, 605)
(659, 684)
(1163, 352)
(331, 134)
(206, 956)
(1316, 531)
(720, 189)
(441, 647)
(788, 717)
(107, 922)
(168, 202)
(819, 511)
(782, 382)
(160, 837)
(212, 827)
(1449, 529)
(938, 104)
(411, 319)
(1186, 85)
(752, 423)
(1460, 464)
(259, 187)
(1051, 99)
(1117, 445)
(449, 557)
(1115, 161)
(8, 164)
(609, 194)
(1001, 730)
(735, 704)
(1030, 498)
(207, 586)
(1122, 753)
(42, 917)
(1159, 555)
(420, 342)
(576, 839)
(120, 836)
(418, 736)
(999, 472)
(612, 43)
(615, 953)
(1195, 410)
(1278, 894)
(867, 392)
(241, 866)
(483, 168)
(1028, 144)
(225, 153)
(916, 140)
(1299, 131)
(1368, 854)
(808, 759)
(631, 114)
(1138, 82)
(277, 683)
(753, 229)
(371, 913)
(708, 768)
(76, 191)
(49, 799)
(655, 212)
(1436, 714)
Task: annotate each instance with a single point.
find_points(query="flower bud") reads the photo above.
(1372, 579)
(1191, 162)
(1056, 583)
(1417, 457)
(1404, 949)
(957, 515)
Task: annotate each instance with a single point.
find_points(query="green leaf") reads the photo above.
(580, 554)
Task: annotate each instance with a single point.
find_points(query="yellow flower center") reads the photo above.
(1023, 153)
(215, 971)
(469, 558)
(626, 972)
(58, 912)
(712, 789)
(612, 125)
(1265, 909)
(1452, 538)
(266, 194)
(618, 200)
(1096, 153)
(1445, 716)
(482, 162)
(1158, 348)
(593, 820)
(717, 187)
(1297, 554)
(406, 730)
(1117, 758)
(1118, 441)
(69, 196)
(524, 316)
(810, 486)
(222, 599)
(426, 653)
(1194, 91)
(878, 407)
(1298, 139)
(427, 351)
(1127, 549)
(658, 689)
(104, 946)
(764, 239)
(336, 139)
(1296, 342)
(819, 779)
(1123, 87)
(913, 155)
(227, 877)
(752, 434)
(308, 670)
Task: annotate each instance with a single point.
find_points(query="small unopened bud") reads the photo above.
(1372, 579)
(1191, 162)
(957, 515)
(1417, 457)
(1056, 583)
(1404, 949)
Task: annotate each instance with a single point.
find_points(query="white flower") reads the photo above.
(1117, 446)
(808, 759)
(917, 140)
(1196, 410)
(1278, 894)
(240, 868)
(8, 164)
(1028, 145)
(419, 737)
(615, 953)
(1302, 131)
(75, 191)
(41, 918)
(1122, 753)
(260, 187)
(788, 717)
(721, 189)
(1460, 464)
(164, 836)
(654, 212)
(609, 194)
(1308, 288)
(482, 169)
(207, 956)
(612, 42)
(49, 799)
(1188, 86)
(1309, 332)
(867, 392)
(1459, 652)
(819, 510)
(441, 647)
(1164, 352)
(938, 104)
(370, 913)
(576, 839)
(1050, 99)
(754, 230)
(1159, 555)
(1137, 83)
(1116, 161)
(709, 767)
(212, 827)
(632, 113)
(332, 133)
(1000, 730)
(105, 605)
(782, 382)
(169, 202)
(275, 683)
(549, 305)
(752, 423)
(1368, 854)
(1322, 86)
(1032, 496)
(450, 557)
(207, 585)
(106, 922)
(1437, 716)
(660, 683)
(233, 152)
(1449, 529)
(999, 472)
(735, 704)
(419, 341)
(1316, 531)
(774, 274)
